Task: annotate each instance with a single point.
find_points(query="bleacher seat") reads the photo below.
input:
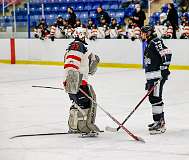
(79, 7)
(55, 9)
(112, 13)
(114, 6)
(88, 7)
(83, 15)
(105, 6)
(119, 14)
(62, 9)
(164, 8)
(92, 14)
(95, 6)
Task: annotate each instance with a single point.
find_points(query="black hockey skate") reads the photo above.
(157, 127)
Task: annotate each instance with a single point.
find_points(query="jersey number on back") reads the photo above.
(74, 47)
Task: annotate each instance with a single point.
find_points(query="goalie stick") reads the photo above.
(147, 94)
(42, 134)
(107, 113)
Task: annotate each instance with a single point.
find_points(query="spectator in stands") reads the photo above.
(184, 19)
(135, 33)
(41, 30)
(79, 24)
(72, 17)
(139, 16)
(172, 17)
(92, 30)
(128, 27)
(65, 23)
(102, 14)
(115, 29)
(185, 32)
(91, 24)
(103, 28)
(57, 27)
(168, 34)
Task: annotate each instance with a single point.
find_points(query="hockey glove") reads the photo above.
(165, 73)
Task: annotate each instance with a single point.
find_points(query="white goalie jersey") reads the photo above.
(79, 63)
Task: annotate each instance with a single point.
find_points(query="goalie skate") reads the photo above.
(90, 134)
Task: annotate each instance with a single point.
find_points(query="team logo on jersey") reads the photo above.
(147, 61)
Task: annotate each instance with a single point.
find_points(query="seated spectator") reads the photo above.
(41, 30)
(79, 24)
(115, 29)
(91, 24)
(185, 31)
(138, 16)
(183, 19)
(92, 30)
(135, 32)
(102, 14)
(103, 29)
(69, 32)
(169, 32)
(72, 17)
(57, 29)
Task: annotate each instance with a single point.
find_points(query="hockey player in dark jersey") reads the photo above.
(157, 58)
(79, 63)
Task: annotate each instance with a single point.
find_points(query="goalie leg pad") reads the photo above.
(92, 112)
(73, 81)
(82, 118)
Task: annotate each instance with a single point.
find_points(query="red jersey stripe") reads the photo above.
(74, 57)
(71, 65)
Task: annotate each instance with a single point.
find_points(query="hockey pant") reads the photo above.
(83, 111)
(156, 101)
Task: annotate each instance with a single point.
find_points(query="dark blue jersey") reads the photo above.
(157, 57)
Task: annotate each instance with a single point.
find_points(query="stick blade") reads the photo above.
(110, 129)
(141, 140)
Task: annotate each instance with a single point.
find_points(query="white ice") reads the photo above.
(25, 110)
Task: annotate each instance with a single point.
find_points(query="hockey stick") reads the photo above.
(38, 134)
(109, 115)
(48, 87)
(42, 134)
(114, 119)
(147, 94)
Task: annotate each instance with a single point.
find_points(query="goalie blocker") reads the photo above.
(78, 65)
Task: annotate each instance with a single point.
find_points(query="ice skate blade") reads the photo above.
(89, 135)
(154, 132)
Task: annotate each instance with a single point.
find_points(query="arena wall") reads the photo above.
(113, 53)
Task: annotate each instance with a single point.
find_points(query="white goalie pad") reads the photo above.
(73, 81)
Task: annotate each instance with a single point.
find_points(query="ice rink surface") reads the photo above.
(25, 110)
